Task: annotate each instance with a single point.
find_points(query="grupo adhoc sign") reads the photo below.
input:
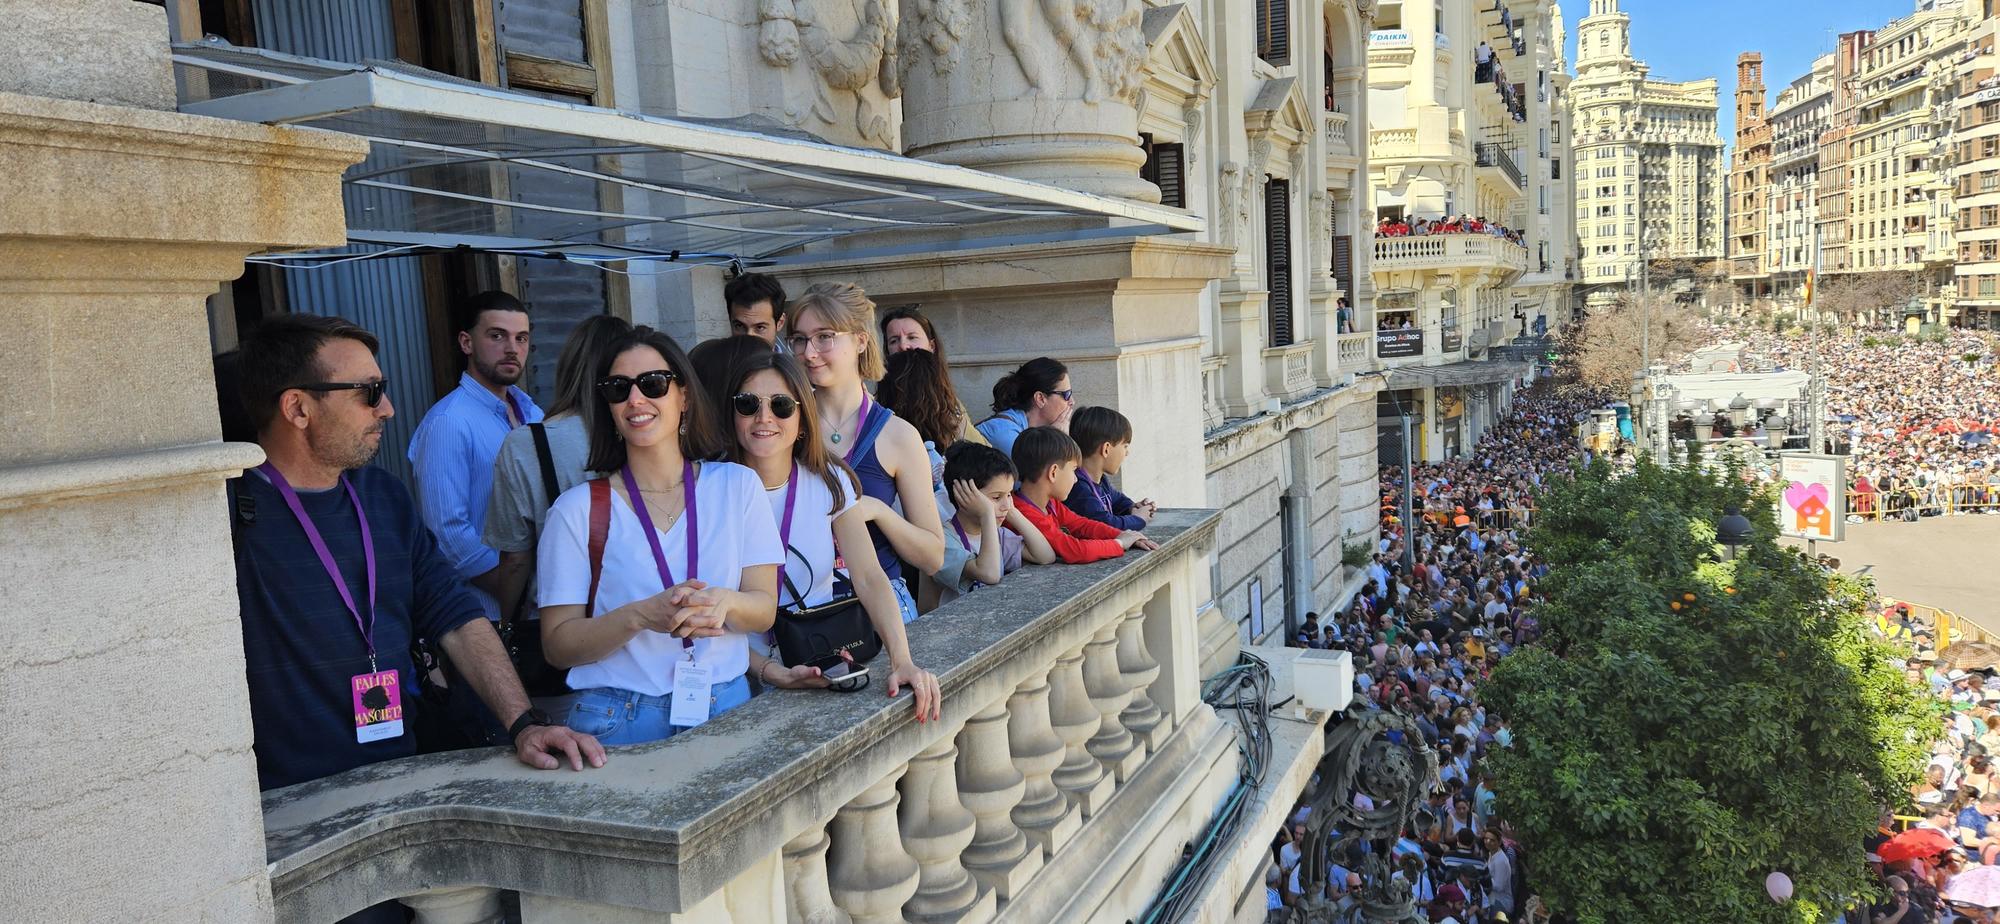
(1812, 497)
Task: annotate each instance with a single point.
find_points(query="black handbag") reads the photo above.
(815, 635)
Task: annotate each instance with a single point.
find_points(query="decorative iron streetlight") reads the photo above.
(1733, 530)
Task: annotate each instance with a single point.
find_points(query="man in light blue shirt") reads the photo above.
(453, 450)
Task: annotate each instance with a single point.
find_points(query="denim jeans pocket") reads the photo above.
(596, 715)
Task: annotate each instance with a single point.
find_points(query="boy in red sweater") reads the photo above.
(1047, 458)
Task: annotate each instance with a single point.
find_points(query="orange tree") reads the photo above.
(1690, 723)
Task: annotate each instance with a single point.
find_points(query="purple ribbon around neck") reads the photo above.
(860, 424)
(785, 529)
(653, 536)
(326, 555)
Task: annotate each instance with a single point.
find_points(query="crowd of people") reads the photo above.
(1424, 639)
(1391, 226)
(1920, 424)
(675, 533)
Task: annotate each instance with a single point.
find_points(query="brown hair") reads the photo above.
(911, 313)
(809, 451)
(698, 437)
(919, 390)
(282, 353)
(844, 307)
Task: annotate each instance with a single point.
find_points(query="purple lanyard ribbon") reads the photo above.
(785, 528)
(860, 426)
(1102, 499)
(967, 542)
(326, 555)
(520, 409)
(693, 527)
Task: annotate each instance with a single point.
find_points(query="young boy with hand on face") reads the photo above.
(1105, 438)
(1047, 459)
(977, 551)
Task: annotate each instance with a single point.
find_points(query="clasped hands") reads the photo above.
(690, 609)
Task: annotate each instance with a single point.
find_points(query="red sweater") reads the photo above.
(1076, 540)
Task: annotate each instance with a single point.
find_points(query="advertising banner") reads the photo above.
(1812, 497)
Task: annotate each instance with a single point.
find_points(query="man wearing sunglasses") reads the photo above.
(336, 573)
(452, 451)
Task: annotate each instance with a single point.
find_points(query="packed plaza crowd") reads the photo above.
(1423, 640)
(675, 533)
(1921, 426)
(1461, 224)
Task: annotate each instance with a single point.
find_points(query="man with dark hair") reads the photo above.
(453, 450)
(756, 304)
(336, 574)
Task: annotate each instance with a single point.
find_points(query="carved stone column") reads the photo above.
(936, 829)
(989, 784)
(808, 897)
(870, 873)
(1142, 717)
(474, 905)
(1037, 89)
(1080, 777)
(1044, 814)
(1112, 745)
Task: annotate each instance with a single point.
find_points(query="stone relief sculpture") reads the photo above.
(939, 25)
(1361, 757)
(1191, 141)
(1318, 233)
(1234, 212)
(791, 29)
(1100, 37)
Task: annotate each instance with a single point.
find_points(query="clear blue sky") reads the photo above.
(1692, 39)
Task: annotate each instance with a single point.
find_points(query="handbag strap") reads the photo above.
(798, 598)
(600, 530)
(548, 465)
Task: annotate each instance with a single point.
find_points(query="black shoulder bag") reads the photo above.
(818, 634)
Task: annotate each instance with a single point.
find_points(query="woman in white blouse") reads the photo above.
(775, 430)
(656, 636)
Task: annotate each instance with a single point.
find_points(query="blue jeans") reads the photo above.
(615, 716)
(905, 603)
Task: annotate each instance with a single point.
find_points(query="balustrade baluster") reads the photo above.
(1000, 856)
(1044, 815)
(1142, 717)
(868, 871)
(936, 829)
(465, 905)
(1075, 720)
(1112, 745)
(808, 897)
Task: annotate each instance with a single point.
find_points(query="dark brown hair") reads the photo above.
(919, 390)
(1016, 390)
(283, 353)
(698, 438)
(1037, 448)
(911, 313)
(808, 451)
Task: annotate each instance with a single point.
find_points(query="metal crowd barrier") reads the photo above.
(1932, 500)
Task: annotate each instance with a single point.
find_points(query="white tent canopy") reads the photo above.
(460, 165)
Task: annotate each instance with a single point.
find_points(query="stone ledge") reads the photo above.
(48, 482)
(666, 824)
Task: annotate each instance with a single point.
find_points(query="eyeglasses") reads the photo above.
(371, 392)
(1067, 394)
(819, 342)
(782, 406)
(617, 389)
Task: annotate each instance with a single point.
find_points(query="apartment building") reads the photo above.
(1749, 180)
(1835, 199)
(1647, 156)
(1900, 198)
(1798, 118)
(1976, 171)
(1464, 120)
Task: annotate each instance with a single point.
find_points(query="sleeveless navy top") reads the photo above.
(876, 482)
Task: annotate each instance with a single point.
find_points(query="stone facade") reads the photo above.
(1633, 130)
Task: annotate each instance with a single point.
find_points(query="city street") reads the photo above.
(1946, 562)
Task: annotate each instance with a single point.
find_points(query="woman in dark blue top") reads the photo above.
(832, 332)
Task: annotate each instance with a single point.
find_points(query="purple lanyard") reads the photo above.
(785, 528)
(967, 542)
(326, 556)
(520, 412)
(860, 425)
(1102, 501)
(638, 500)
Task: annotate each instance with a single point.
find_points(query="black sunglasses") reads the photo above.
(371, 392)
(617, 389)
(1067, 394)
(782, 406)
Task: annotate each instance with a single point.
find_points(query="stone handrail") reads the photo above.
(1354, 351)
(1072, 754)
(1392, 142)
(1441, 251)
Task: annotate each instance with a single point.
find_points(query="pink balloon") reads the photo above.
(1779, 886)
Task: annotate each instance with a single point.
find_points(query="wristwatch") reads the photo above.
(528, 720)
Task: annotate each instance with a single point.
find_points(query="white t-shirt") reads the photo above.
(737, 532)
(811, 555)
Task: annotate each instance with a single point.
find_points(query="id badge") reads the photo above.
(691, 695)
(378, 706)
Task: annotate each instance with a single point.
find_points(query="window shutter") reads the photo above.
(1274, 31)
(1343, 264)
(1278, 258)
(1169, 175)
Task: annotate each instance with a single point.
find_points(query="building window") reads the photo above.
(1165, 168)
(1274, 31)
(1278, 258)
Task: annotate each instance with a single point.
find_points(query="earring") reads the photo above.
(684, 423)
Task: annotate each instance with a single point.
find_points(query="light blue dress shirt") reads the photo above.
(452, 453)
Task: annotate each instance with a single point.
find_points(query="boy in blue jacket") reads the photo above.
(1105, 436)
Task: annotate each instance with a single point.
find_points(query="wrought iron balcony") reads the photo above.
(1496, 157)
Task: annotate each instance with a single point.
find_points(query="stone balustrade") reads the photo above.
(1213, 400)
(1073, 762)
(1354, 352)
(1449, 251)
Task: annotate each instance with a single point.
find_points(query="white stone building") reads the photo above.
(1798, 117)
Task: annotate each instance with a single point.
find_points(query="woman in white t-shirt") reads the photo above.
(690, 556)
(775, 430)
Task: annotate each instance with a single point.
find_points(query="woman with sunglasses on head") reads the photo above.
(1036, 395)
(653, 579)
(905, 329)
(832, 334)
(812, 496)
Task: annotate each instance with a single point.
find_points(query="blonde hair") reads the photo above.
(845, 307)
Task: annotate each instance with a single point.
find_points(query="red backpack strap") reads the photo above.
(600, 530)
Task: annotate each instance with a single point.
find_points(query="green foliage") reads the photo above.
(1666, 760)
(1871, 342)
(1355, 554)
